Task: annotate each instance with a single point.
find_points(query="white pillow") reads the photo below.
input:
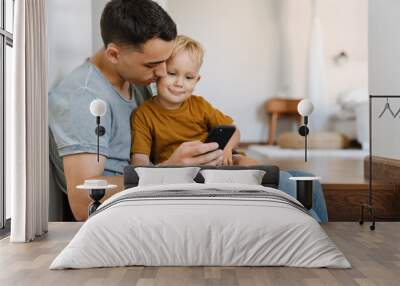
(248, 177)
(164, 176)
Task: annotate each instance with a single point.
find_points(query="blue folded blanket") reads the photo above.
(318, 211)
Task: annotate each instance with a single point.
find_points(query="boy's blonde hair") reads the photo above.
(185, 43)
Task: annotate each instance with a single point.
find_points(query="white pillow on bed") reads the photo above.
(165, 176)
(248, 177)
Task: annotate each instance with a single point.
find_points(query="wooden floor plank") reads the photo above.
(375, 257)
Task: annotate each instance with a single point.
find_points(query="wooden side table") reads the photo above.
(279, 107)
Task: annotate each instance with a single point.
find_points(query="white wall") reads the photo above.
(97, 9)
(241, 62)
(345, 28)
(384, 74)
(69, 36)
(257, 49)
(384, 47)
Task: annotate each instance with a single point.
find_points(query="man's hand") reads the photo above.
(196, 153)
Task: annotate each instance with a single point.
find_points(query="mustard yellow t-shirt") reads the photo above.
(157, 132)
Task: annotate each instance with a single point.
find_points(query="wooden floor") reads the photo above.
(374, 255)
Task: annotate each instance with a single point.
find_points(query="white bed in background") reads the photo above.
(156, 226)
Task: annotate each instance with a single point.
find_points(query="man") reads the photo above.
(138, 38)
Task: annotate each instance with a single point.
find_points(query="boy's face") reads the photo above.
(182, 76)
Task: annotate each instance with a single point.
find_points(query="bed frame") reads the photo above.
(270, 179)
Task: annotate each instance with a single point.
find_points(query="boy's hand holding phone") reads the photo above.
(222, 134)
(227, 161)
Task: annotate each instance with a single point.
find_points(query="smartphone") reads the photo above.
(221, 134)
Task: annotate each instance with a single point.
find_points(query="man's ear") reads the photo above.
(112, 53)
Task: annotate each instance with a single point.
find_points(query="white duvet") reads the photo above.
(183, 231)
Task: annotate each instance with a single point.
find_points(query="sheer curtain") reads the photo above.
(27, 131)
(317, 78)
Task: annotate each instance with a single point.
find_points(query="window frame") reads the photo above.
(6, 39)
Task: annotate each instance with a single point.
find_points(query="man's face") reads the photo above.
(144, 66)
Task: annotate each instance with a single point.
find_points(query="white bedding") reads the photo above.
(183, 231)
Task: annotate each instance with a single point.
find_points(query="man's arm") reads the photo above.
(77, 169)
(188, 153)
(140, 159)
(195, 153)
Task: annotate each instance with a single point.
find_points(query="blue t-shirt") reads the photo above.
(72, 126)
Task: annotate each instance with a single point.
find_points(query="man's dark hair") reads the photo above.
(134, 22)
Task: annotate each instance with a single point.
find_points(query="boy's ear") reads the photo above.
(198, 78)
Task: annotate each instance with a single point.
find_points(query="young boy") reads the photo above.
(175, 116)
